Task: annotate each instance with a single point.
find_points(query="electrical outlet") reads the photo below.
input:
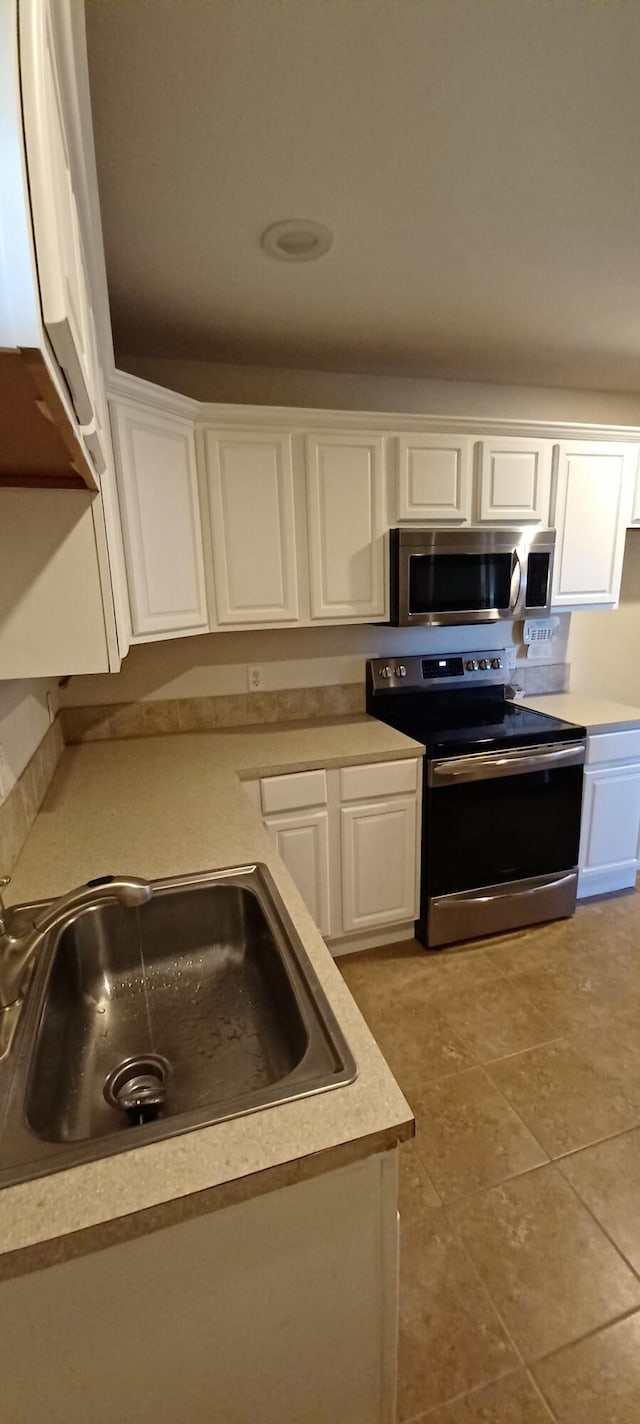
(255, 678)
(7, 778)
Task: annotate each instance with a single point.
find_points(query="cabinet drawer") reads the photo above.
(296, 789)
(605, 747)
(382, 778)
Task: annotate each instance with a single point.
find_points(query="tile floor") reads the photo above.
(520, 1196)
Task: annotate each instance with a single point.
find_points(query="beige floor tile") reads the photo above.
(598, 1380)
(432, 1049)
(451, 1339)
(565, 1100)
(550, 1270)
(494, 1019)
(616, 1052)
(607, 1177)
(513, 1400)
(417, 1194)
(468, 1136)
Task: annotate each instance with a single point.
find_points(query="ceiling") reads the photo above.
(477, 162)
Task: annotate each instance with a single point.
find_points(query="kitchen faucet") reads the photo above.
(18, 950)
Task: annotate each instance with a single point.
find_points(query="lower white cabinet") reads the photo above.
(354, 854)
(610, 830)
(610, 833)
(302, 838)
(378, 840)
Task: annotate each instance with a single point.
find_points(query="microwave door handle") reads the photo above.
(516, 583)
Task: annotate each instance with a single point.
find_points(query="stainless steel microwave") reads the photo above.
(448, 576)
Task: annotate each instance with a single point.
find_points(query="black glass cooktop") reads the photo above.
(456, 725)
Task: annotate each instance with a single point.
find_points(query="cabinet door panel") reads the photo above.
(302, 839)
(610, 835)
(378, 863)
(252, 526)
(158, 486)
(346, 525)
(63, 291)
(434, 478)
(515, 480)
(635, 512)
(595, 492)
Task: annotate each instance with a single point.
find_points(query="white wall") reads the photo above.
(217, 663)
(266, 385)
(24, 719)
(604, 648)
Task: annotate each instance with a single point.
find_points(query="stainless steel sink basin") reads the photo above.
(145, 1022)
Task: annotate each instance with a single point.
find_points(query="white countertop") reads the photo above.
(170, 805)
(597, 714)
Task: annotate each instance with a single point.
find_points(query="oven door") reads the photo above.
(501, 839)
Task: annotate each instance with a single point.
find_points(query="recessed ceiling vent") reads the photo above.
(296, 240)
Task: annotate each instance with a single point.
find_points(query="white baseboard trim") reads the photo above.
(371, 939)
(604, 882)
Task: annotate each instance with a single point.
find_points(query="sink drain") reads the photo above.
(138, 1086)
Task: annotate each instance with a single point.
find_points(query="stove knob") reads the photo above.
(401, 670)
(496, 662)
(470, 666)
(483, 664)
(386, 671)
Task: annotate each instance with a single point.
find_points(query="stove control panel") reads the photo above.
(452, 670)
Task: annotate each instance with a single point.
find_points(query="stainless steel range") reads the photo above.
(502, 794)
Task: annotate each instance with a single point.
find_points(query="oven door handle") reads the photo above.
(487, 766)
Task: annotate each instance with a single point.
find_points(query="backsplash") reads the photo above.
(19, 811)
(206, 714)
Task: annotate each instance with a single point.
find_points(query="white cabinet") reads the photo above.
(378, 863)
(610, 831)
(63, 291)
(302, 838)
(252, 526)
(158, 486)
(593, 505)
(434, 479)
(635, 509)
(515, 480)
(350, 839)
(346, 526)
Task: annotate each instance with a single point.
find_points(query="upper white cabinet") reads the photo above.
(346, 513)
(63, 290)
(515, 480)
(49, 377)
(158, 485)
(593, 506)
(635, 510)
(434, 479)
(252, 526)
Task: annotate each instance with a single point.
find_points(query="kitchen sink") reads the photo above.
(143, 1022)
